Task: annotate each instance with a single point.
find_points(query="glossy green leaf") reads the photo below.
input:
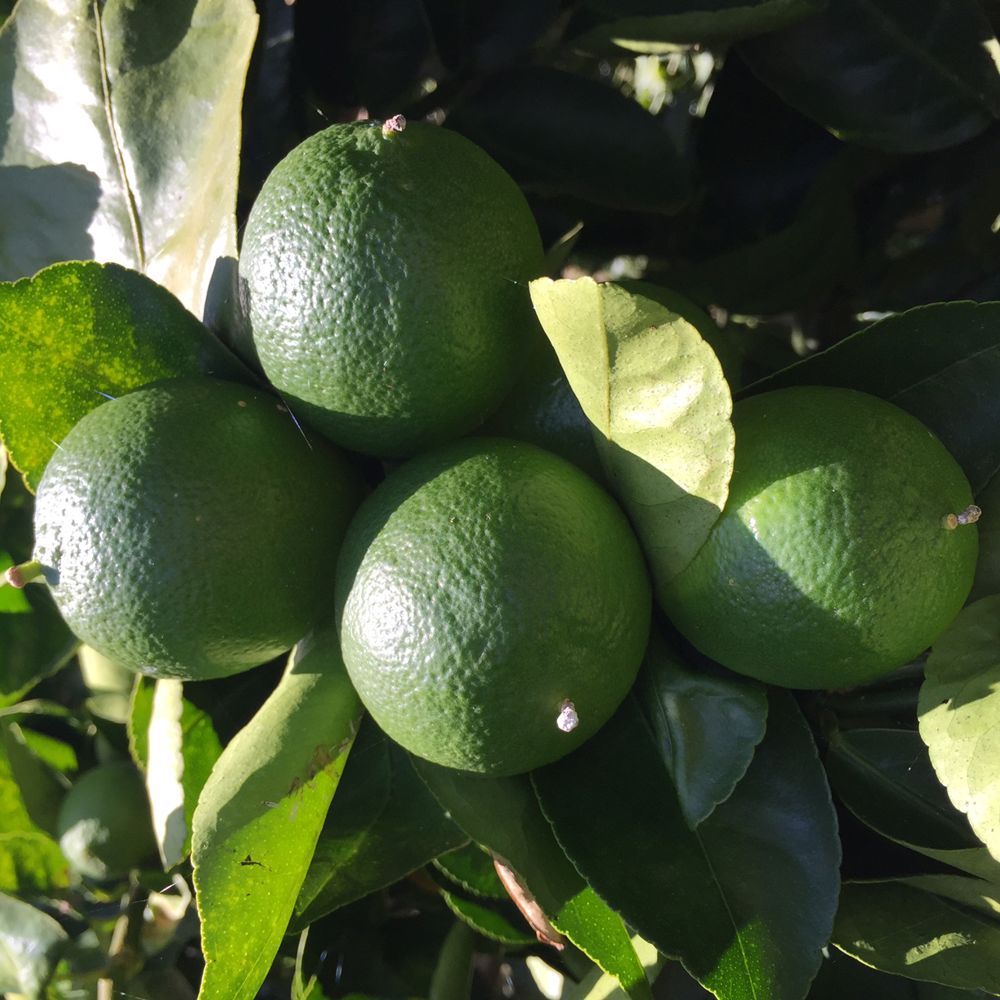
(973, 893)
(708, 896)
(502, 815)
(885, 778)
(844, 978)
(987, 582)
(939, 362)
(78, 333)
(911, 932)
(659, 406)
(598, 985)
(31, 944)
(560, 133)
(472, 868)
(383, 824)
(959, 712)
(706, 727)
(641, 26)
(261, 812)
(176, 745)
(507, 928)
(42, 788)
(30, 859)
(138, 161)
(897, 75)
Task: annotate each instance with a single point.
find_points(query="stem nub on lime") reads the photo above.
(187, 529)
(383, 283)
(494, 606)
(834, 561)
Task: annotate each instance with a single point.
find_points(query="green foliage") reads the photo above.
(734, 168)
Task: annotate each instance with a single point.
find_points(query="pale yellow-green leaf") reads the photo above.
(260, 814)
(959, 713)
(659, 406)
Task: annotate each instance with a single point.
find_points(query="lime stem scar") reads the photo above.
(970, 515)
(19, 576)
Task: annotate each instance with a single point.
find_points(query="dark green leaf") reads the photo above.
(137, 162)
(505, 927)
(176, 745)
(32, 943)
(910, 932)
(658, 404)
(562, 134)
(503, 816)
(959, 712)
(843, 978)
(987, 582)
(640, 25)
(939, 362)
(885, 778)
(708, 897)
(382, 825)
(706, 727)
(77, 333)
(893, 74)
(472, 868)
(261, 812)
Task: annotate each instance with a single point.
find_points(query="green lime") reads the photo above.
(832, 563)
(104, 824)
(494, 606)
(187, 529)
(383, 276)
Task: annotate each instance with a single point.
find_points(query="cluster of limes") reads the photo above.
(493, 602)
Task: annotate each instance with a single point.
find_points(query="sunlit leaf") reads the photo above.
(137, 162)
(959, 712)
(659, 407)
(261, 812)
(31, 943)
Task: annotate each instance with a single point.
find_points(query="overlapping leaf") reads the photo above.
(32, 943)
(706, 726)
(383, 824)
(78, 333)
(137, 162)
(176, 745)
(641, 26)
(502, 815)
(908, 931)
(885, 778)
(261, 812)
(708, 896)
(659, 406)
(939, 362)
(960, 716)
(934, 63)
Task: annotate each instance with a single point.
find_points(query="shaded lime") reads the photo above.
(831, 564)
(383, 277)
(104, 824)
(494, 606)
(187, 529)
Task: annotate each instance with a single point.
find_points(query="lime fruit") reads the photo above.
(104, 825)
(832, 563)
(187, 529)
(493, 604)
(383, 277)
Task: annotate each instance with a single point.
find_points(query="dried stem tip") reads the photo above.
(394, 124)
(970, 515)
(19, 576)
(567, 719)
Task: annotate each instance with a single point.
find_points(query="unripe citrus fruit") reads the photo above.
(187, 529)
(383, 277)
(833, 561)
(494, 606)
(104, 825)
